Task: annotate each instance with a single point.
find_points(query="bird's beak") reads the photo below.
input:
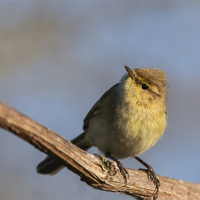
(130, 72)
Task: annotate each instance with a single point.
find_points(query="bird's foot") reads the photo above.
(152, 176)
(123, 171)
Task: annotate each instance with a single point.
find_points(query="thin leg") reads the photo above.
(122, 169)
(151, 174)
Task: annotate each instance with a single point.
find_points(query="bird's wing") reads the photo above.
(96, 109)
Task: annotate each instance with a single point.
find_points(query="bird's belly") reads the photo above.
(127, 139)
(133, 144)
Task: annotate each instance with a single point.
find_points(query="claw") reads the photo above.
(154, 178)
(151, 174)
(123, 171)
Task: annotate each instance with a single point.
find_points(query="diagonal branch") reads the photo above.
(94, 170)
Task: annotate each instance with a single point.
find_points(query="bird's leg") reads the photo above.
(122, 169)
(151, 174)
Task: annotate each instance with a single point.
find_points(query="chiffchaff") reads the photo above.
(126, 121)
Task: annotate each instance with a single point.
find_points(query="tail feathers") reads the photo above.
(50, 166)
(82, 141)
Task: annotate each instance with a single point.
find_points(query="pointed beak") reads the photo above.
(130, 72)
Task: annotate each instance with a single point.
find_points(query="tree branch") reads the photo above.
(94, 170)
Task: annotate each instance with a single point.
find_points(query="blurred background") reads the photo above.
(58, 58)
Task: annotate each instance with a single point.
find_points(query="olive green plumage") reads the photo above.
(127, 120)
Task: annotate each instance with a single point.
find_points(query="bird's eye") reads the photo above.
(145, 87)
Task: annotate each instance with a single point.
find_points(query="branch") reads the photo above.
(92, 169)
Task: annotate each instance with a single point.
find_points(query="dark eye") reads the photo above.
(145, 87)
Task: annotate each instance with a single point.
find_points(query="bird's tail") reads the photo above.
(50, 166)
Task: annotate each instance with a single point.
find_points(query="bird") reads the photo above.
(126, 121)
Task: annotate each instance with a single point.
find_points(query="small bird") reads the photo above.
(126, 121)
